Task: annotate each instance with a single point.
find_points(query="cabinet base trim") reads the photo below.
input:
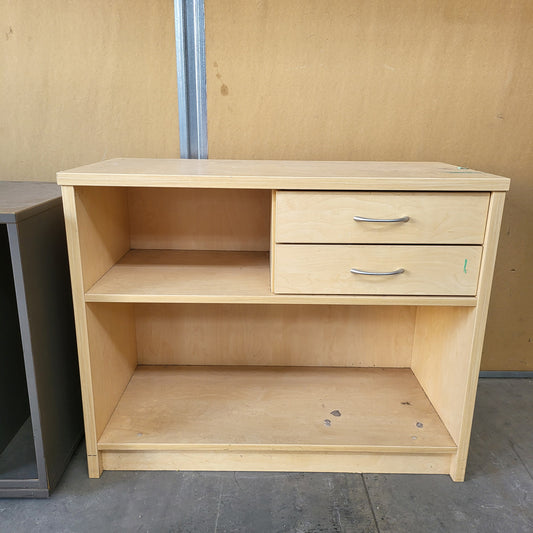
(273, 462)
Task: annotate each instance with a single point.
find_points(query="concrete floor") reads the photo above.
(497, 495)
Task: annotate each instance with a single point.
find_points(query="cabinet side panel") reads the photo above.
(103, 228)
(490, 248)
(200, 219)
(112, 346)
(97, 236)
(441, 359)
(293, 335)
(76, 276)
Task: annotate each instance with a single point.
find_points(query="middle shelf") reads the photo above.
(185, 275)
(205, 276)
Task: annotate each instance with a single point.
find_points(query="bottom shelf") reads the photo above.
(248, 414)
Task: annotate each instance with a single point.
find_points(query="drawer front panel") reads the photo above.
(428, 270)
(328, 217)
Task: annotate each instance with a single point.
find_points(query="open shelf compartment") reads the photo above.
(185, 245)
(255, 387)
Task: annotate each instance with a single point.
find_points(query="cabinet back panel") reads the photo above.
(200, 219)
(292, 335)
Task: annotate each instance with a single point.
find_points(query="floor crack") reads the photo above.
(219, 502)
(370, 503)
(235, 479)
(520, 458)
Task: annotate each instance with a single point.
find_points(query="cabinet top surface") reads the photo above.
(22, 199)
(317, 175)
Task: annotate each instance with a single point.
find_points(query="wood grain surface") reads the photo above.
(276, 409)
(376, 80)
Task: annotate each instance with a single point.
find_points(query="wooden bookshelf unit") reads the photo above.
(280, 315)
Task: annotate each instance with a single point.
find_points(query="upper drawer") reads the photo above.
(328, 217)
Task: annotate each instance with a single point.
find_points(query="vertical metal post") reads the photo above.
(192, 96)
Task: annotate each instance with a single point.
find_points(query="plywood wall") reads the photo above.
(452, 81)
(85, 80)
(379, 80)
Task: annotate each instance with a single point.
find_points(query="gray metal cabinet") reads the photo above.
(40, 404)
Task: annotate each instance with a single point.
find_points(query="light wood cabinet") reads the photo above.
(221, 325)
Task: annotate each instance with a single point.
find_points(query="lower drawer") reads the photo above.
(376, 269)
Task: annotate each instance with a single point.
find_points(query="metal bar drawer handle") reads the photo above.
(363, 219)
(365, 273)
